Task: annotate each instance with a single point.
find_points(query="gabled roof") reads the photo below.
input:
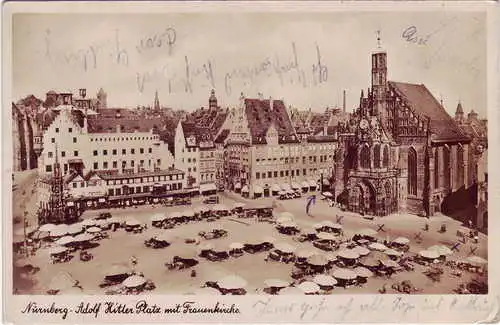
(108, 124)
(424, 103)
(260, 116)
(200, 134)
(222, 136)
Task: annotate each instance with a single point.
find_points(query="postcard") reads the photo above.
(251, 162)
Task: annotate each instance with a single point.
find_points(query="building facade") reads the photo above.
(95, 149)
(264, 155)
(400, 151)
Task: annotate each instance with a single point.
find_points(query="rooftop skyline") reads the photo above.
(307, 59)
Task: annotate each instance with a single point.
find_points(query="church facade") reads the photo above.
(400, 151)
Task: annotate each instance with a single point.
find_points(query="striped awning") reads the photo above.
(245, 189)
(276, 188)
(257, 189)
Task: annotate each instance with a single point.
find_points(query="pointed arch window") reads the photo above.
(436, 168)
(446, 166)
(385, 157)
(376, 156)
(460, 167)
(412, 172)
(365, 157)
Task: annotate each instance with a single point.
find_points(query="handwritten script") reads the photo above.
(184, 72)
(357, 309)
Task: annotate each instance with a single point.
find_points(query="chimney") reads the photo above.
(270, 103)
(343, 102)
(261, 96)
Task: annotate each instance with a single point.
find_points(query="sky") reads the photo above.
(307, 59)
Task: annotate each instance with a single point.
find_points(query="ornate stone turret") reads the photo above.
(212, 101)
(459, 113)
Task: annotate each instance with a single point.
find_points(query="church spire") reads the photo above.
(157, 102)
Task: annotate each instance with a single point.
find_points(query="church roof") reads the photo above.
(261, 116)
(424, 103)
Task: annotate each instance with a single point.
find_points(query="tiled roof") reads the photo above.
(423, 103)
(108, 124)
(200, 133)
(260, 116)
(222, 136)
(321, 138)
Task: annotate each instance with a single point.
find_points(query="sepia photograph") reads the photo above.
(249, 153)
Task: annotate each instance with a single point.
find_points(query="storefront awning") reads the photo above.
(285, 187)
(75, 161)
(208, 187)
(257, 189)
(305, 184)
(276, 188)
(313, 183)
(237, 185)
(326, 182)
(102, 200)
(295, 186)
(245, 189)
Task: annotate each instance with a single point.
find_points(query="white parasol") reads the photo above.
(363, 272)
(325, 280)
(93, 230)
(276, 283)
(57, 250)
(361, 250)
(236, 246)
(344, 274)
(392, 252)
(317, 260)
(291, 291)
(132, 222)
(378, 247)
(401, 241)
(429, 254)
(284, 247)
(158, 217)
(303, 253)
(348, 254)
(83, 237)
(64, 240)
(476, 260)
(134, 281)
(441, 249)
(232, 282)
(326, 236)
(368, 232)
(117, 269)
(47, 227)
(308, 287)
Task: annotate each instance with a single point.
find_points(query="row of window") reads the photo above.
(53, 140)
(189, 149)
(50, 154)
(123, 138)
(114, 152)
(114, 164)
(283, 173)
(312, 159)
(139, 189)
(207, 177)
(206, 155)
(150, 179)
(70, 130)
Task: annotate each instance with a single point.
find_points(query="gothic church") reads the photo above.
(400, 151)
